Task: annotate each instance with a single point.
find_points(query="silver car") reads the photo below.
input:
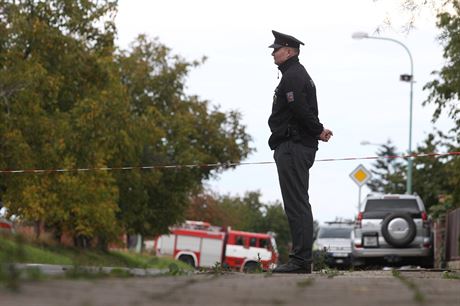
(333, 242)
(393, 228)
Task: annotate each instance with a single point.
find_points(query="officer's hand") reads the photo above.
(325, 135)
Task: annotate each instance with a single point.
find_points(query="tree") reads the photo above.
(434, 178)
(245, 213)
(169, 128)
(431, 173)
(58, 85)
(445, 89)
(445, 92)
(410, 11)
(204, 206)
(69, 98)
(388, 172)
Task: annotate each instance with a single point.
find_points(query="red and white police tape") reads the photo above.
(216, 165)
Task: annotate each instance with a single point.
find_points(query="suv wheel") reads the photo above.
(398, 229)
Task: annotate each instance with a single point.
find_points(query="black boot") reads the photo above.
(293, 268)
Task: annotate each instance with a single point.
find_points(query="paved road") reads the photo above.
(350, 288)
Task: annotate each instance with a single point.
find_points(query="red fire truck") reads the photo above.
(202, 245)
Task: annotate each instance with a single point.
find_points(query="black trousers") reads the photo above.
(293, 161)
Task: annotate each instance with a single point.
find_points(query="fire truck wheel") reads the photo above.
(251, 267)
(188, 260)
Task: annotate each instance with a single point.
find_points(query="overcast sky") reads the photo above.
(359, 93)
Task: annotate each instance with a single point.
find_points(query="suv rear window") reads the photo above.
(334, 232)
(392, 205)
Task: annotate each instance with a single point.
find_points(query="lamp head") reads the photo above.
(359, 35)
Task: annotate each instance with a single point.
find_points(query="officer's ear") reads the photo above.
(293, 51)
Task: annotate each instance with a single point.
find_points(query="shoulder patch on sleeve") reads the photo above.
(290, 96)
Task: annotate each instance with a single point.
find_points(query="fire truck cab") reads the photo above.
(203, 245)
(244, 250)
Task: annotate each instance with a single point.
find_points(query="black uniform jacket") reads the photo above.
(295, 109)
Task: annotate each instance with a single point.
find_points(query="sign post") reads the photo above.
(360, 176)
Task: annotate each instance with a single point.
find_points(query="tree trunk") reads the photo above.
(102, 244)
(37, 229)
(82, 242)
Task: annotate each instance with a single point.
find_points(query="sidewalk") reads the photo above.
(349, 288)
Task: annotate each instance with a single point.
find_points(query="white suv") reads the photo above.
(394, 228)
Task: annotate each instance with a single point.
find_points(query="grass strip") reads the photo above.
(86, 263)
(305, 282)
(418, 295)
(15, 250)
(450, 275)
(330, 273)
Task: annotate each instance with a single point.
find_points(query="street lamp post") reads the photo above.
(405, 78)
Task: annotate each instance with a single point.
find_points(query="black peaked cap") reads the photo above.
(284, 40)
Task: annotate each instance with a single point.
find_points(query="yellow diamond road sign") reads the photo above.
(360, 175)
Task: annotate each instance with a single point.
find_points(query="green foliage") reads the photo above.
(243, 213)
(331, 273)
(17, 250)
(9, 254)
(450, 275)
(306, 282)
(388, 173)
(418, 296)
(176, 270)
(437, 171)
(29, 253)
(56, 92)
(319, 260)
(70, 99)
(218, 269)
(441, 172)
(434, 177)
(445, 89)
(172, 128)
(445, 93)
(442, 208)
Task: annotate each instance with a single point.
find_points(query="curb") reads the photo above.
(49, 269)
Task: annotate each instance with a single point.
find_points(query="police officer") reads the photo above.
(295, 131)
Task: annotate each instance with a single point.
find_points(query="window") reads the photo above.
(263, 243)
(253, 242)
(334, 232)
(401, 205)
(239, 240)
